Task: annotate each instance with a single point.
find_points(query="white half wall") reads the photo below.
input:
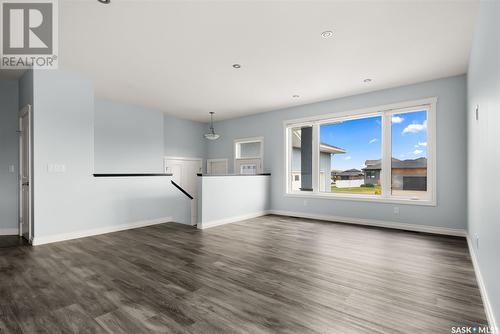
(226, 199)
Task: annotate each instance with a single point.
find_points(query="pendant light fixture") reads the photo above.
(212, 135)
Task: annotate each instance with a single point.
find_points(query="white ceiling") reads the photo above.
(177, 56)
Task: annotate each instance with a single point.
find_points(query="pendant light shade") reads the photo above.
(212, 135)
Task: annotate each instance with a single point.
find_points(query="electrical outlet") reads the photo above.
(12, 169)
(477, 112)
(396, 210)
(477, 241)
(305, 202)
(56, 168)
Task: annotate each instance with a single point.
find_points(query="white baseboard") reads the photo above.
(96, 231)
(231, 219)
(9, 231)
(373, 222)
(482, 288)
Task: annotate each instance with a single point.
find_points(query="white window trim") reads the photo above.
(385, 111)
(249, 140)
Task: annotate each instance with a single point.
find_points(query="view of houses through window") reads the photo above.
(350, 153)
(359, 140)
(409, 155)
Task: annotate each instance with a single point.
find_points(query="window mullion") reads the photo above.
(315, 157)
(386, 172)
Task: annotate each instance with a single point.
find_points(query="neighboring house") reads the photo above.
(350, 174)
(325, 163)
(408, 174)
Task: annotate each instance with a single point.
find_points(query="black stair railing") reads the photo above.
(182, 190)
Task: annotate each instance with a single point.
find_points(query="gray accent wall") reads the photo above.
(484, 149)
(450, 211)
(9, 157)
(127, 138)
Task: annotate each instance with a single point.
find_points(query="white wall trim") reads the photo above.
(412, 104)
(229, 220)
(482, 288)
(9, 231)
(96, 231)
(373, 222)
(348, 220)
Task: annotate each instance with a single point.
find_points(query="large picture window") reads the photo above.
(377, 154)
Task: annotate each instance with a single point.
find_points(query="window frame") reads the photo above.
(385, 112)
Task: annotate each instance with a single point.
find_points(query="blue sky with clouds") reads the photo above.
(361, 138)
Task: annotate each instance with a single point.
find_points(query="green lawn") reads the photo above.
(358, 190)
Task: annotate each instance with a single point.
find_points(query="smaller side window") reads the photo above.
(248, 155)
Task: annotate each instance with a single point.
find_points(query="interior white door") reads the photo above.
(25, 173)
(185, 172)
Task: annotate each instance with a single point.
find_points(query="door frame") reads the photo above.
(27, 109)
(218, 160)
(165, 158)
(193, 203)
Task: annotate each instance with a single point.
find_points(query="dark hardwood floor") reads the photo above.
(12, 241)
(269, 274)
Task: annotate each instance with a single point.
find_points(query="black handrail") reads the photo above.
(180, 188)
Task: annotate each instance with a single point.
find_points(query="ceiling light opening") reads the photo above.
(236, 65)
(295, 96)
(327, 34)
(367, 80)
(104, 1)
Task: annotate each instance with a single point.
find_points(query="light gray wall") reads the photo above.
(9, 156)
(484, 148)
(74, 202)
(451, 154)
(127, 139)
(184, 138)
(123, 131)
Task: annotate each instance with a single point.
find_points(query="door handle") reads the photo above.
(26, 183)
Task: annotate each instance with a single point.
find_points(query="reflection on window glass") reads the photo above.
(350, 153)
(301, 159)
(409, 155)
